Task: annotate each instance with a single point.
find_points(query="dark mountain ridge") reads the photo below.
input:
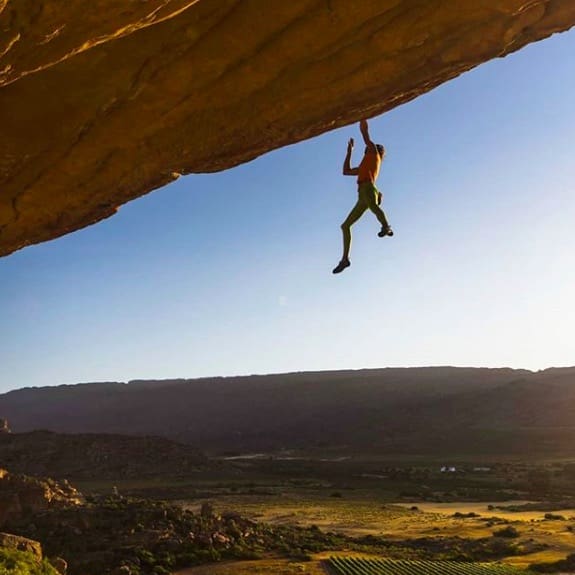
(409, 410)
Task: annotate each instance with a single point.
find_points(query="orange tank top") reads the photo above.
(369, 168)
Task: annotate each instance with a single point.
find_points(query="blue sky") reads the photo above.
(230, 273)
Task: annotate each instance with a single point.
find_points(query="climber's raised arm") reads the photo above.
(363, 128)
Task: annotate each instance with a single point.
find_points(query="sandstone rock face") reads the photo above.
(104, 101)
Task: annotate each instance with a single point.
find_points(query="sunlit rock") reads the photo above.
(104, 101)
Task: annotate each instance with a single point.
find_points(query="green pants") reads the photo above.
(367, 199)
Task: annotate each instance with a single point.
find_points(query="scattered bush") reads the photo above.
(508, 532)
(554, 517)
(563, 565)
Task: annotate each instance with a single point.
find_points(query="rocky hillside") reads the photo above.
(104, 101)
(418, 410)
(138, 537)
(86, 456)
(25, 499)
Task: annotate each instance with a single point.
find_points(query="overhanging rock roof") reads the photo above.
(104, 101)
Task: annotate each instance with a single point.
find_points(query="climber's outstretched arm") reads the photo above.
(363, 128)
(347, 169)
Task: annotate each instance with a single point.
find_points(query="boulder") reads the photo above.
(59, 564)
(21, 544)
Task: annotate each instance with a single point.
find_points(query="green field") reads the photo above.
(362, 566)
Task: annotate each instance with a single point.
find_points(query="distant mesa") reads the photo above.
(100, 104)
(440, 410)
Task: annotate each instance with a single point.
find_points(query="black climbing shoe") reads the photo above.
(385, 232)
(341, 266)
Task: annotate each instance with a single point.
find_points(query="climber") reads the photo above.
(369, 197)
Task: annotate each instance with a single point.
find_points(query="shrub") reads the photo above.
(23, 563)
(300, 555)
(509, 532)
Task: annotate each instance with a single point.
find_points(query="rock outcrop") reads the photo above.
(104, 101)
(19, 543)
(23, 555)
(21, 495)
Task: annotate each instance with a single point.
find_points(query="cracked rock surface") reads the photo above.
(104, 101)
